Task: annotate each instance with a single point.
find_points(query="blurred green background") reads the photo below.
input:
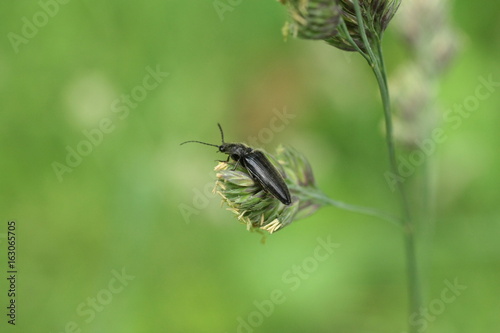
(118, 210)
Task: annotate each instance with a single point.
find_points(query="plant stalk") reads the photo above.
(408, 225)
(407, 221)
(376, 61)
(322, 199)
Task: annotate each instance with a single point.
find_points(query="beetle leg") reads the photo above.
(236, 165)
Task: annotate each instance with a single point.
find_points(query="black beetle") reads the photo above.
(257, 165)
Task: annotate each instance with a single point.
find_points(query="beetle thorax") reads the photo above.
(235, 150)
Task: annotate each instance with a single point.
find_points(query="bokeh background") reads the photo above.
(135, 205)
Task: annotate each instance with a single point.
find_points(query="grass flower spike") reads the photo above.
(341, 23)
(313, 19)
(257, 208)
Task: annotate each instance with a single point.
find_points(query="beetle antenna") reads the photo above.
(221, 132)
(204, 143)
